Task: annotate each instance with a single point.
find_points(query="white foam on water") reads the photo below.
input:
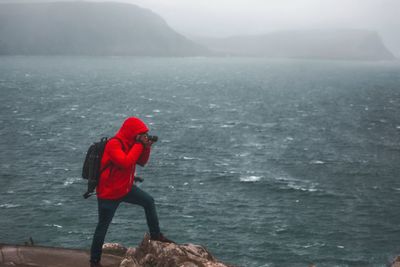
(302, 188)
(149, 116)
(25, 119)
(250, 178)
(156, 110)
(10, 192)
(190, 158)
(227, 126)
(70, 180)
(254, 144)
(26, 132)
(222, 164)
(9, 205)
(195, 126)
(314, 245)
(398, 127)
(53, 225)
(297, 184)
(187, 216)
(317, 162)
(213, 106)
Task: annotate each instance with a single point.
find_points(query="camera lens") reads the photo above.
(153, 138)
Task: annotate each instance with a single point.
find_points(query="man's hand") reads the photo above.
(143, 138)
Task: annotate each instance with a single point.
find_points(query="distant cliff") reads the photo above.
(312, 44)
(118, 29)
(88, 28)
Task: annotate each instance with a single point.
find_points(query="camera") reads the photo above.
(152, 138)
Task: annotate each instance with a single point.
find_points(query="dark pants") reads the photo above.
(107, 210)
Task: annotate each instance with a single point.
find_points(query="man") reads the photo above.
(129, 147)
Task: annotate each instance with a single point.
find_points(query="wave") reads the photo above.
(71, 180)
(294, 186)
(53, 225)
(317, 162)
(189, 158)
(195, 126)
(250, 178)
(290, 183)
(9, 205)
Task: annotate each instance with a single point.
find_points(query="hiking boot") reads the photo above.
(162, 238)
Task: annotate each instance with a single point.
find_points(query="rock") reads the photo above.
(159, 254)
(129, 262)
(131, 252)
(148, 253)
(396, 262)
(114, 249)
(34, 256)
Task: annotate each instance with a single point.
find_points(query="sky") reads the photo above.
(222, 18)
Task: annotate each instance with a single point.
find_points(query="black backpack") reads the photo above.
(91, 166)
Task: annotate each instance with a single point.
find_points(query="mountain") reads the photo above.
(313, 44)
(89, 28)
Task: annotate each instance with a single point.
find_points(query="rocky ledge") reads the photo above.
(158, 254)
(148, 253)
(396, 262)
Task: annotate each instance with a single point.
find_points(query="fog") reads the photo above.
(218, 18)
(221, 18)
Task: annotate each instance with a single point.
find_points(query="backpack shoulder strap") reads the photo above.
(109, 162)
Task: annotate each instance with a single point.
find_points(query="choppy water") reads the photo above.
(267, 163)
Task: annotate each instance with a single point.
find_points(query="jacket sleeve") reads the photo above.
(144, 157)
(122, 159)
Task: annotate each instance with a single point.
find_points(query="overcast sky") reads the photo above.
(219, 18)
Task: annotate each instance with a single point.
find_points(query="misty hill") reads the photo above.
(88, 28)
(313, 44)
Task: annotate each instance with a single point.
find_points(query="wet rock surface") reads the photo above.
(38, 256)
(148, 253)
(159, 254)
(396, 262)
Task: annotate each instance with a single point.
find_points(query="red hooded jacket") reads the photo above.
(119, 162)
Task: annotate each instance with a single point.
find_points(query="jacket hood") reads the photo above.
(130, 129)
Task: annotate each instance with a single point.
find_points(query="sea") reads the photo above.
(264, 162)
